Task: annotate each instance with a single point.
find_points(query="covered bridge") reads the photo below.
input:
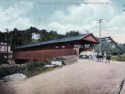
(48, 50)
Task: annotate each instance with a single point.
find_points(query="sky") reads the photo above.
(65, 15)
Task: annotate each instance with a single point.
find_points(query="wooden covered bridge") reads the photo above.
(48, 50)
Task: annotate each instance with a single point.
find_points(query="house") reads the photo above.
(4, 48)
(35, 36)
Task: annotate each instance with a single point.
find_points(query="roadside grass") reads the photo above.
(36, 68)
(118, 57)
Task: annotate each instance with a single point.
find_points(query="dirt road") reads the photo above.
(83, 77)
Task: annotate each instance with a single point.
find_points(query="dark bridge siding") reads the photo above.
(45, 55)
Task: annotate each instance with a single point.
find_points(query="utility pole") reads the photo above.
(100, 34)
(7, 43)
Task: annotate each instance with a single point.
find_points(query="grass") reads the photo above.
(29, 69)
(36, 68)
(118, 57)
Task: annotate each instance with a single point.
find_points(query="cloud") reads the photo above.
(20, 23)
(62, 29)
(85, 16)
(81, 17)
(12, 16)
(117, 22)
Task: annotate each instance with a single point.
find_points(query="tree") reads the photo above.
(52, 35)
(22, 37)
(43, 35)
(2, 38)
(72, 33)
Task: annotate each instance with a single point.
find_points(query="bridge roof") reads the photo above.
(53, 41)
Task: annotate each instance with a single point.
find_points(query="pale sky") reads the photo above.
(65, 15)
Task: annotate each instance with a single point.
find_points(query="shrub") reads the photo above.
(28, 69)
(8, 70)
(119, 57)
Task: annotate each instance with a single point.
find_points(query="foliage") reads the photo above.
(119, 57)
(2, 38)
(21, 37)
(33, 65)
(8, 70)
(29, 69)
(72, 33)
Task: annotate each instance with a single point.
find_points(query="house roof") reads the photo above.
(68, 39)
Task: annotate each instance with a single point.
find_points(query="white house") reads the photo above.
(3, 47)
(35, 36)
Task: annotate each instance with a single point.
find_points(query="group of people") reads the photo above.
(107, 57)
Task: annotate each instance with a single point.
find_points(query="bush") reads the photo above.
(34, 65)
(29, 69)
(8, 70)
(119, 57)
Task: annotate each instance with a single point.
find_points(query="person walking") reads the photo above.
(108, 57)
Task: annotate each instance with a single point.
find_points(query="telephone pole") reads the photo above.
(100, 35)
(7, 43)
